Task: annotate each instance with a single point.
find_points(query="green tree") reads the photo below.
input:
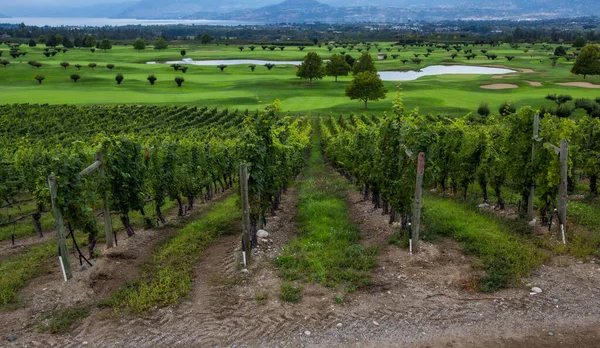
(160, 44)
(337, 66)
(152, 79)
(587, 62)
(206, 39)
(89, 41)
(67, 43)
(183, 53)
(32, 43)
(366, 86)
(65, 65)
(40, 78)
(105, 45)
(110, 66)
(179, 80)
(579, 42)
(311, 67)
(119, 78)
(364, 64)
(139, 45)
(75, 77)
(560, 51)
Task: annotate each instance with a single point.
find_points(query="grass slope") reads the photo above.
(328, 249)
(506, 256)
(167, 277)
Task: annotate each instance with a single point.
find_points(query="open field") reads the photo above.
(238, 87)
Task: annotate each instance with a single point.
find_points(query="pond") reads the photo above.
(385, 75)
(230, 62)
(441, 70)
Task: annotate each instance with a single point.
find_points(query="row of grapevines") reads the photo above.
(380, 155)
(177, 165)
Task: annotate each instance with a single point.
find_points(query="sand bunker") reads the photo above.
(579, 84)
(527, 71)
(534, 83)
(499, 86)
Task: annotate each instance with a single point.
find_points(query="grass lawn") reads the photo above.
(328, 249)
(238, 87)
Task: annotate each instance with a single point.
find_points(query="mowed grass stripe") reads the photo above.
(328, 249)
(506, 256)
(168, 276)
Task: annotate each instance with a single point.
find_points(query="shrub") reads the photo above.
(507, 108)
(484, 109)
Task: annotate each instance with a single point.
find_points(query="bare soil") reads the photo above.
(419, 300)
(579, 84)
(534, 83)
(499, 86)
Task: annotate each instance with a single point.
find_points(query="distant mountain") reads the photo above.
(102, 9)
(183, 8)
(304, 10)
(343, 11)
(287, 11)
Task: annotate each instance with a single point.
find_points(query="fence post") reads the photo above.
(106, 211)
(536, 128)
(416, 219)
(562, 203)
(60, 229)
(246, 248)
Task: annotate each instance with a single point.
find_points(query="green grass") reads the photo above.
(584, 237)
(167, 277)
(328, 250)
(62, 321)
(291, 293)
(506, 255)
(238, 87)
(17, 270)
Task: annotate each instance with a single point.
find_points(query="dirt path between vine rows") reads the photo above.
(49, 293)
(415, 301)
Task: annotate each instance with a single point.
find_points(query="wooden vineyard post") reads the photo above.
(63, 251)
(246, 248)
(563, 153)
(562, 203)
(416, 219)
(106, 211)
(536, 128)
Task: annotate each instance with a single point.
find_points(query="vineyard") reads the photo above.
(198, 225)
(190, 154)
